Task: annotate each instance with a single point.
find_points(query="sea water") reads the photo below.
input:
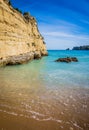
(46, 95)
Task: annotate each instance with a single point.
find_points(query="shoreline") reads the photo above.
(44, 95)
(22, 58)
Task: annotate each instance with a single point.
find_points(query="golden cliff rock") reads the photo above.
(20, 39)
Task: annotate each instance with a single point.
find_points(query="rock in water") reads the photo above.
(67, 59)
(74, 59)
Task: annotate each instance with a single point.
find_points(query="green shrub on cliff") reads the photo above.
(18, 10)
(26, 13)
(10, 3)
(26, 16)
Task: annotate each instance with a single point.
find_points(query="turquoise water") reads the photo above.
(75, 74)
(50, 73)
(54, 95)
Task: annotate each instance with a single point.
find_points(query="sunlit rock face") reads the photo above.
(19, 34)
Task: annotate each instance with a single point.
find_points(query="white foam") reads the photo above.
(59, 121)
(11, 113)
(62, 127)
(62, 113)
(47, 119)
(37, 113)
(27, 106)
(76, 125)
(65, 104)
(84, 106)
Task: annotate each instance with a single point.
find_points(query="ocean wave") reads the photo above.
(47, 119)
(11, 113)
(35, 116)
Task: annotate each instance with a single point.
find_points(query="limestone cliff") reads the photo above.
(20, 40)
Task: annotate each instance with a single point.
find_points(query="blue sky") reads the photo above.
(63, 23)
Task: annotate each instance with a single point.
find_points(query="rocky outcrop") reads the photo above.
(81, 48)
(20, 39)
(68, 49)
(67, 59)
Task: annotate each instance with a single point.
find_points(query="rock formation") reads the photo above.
(68, 49)
(20, 39)
(67, 59)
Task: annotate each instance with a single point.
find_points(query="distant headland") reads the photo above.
(85, 47)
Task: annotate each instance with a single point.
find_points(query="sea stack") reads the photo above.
(20, 39)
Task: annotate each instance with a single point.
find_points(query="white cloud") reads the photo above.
(60, 40)
(63, 35)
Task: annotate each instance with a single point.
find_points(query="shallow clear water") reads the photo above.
(44, 94)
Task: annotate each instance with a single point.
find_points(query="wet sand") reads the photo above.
(59, 109)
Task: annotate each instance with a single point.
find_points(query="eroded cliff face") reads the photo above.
(20, 39)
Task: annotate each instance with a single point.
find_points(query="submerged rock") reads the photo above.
(74, 59)
(67, 59)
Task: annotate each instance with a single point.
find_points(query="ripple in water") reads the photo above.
(35, 96)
